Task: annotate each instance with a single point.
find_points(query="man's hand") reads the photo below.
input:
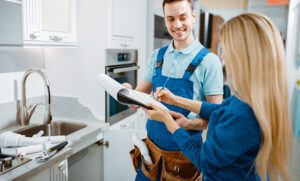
(187, 124)
(131, 106)
(127, 85)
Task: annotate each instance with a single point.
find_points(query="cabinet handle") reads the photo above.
(56, 38)
(125, 45)
(34, 35)
(61, 166)
(103, 143)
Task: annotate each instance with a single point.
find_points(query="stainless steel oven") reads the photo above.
(121, 65)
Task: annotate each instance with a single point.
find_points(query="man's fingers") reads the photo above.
(127, 85)
(133, 107)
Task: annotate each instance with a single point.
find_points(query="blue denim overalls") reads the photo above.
(157, 131)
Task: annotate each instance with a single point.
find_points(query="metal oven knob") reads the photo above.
(7, 162)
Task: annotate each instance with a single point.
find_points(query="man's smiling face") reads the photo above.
(179, 19)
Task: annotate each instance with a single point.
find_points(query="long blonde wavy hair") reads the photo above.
(255, 62)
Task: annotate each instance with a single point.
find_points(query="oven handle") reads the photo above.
(127, 69)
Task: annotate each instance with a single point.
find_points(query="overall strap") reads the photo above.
(195, 62)
(160, 60)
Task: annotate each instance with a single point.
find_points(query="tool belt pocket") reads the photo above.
(135, 155)
(150, 170)
(180, 170)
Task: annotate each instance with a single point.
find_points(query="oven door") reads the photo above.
(114, 110)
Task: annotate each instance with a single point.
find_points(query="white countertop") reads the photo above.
(78, 140)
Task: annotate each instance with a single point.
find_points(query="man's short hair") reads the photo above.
(172, 1)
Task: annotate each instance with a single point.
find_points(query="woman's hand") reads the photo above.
(165, 96)
(187, 124)
(162, 114)
(181, 120)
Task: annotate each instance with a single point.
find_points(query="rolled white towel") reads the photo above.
(29, 149)
(54, 139)
(142, 147)
(9, 138)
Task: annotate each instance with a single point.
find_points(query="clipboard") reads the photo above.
(125, 95)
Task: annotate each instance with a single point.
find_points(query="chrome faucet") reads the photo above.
(26, 112)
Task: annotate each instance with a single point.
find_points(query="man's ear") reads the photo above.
(194, 15)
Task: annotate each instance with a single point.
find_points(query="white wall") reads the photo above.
(10, 84)
(73, 72)
(10, 91)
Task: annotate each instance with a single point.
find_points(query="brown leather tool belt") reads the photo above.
(173, 164)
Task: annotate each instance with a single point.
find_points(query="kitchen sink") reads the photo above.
(53, 129)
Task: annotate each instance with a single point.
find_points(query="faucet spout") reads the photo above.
(26, 112)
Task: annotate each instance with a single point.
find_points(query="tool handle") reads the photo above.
(58, 147)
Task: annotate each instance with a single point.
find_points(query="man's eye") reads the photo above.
(170, 20)
(182, 18)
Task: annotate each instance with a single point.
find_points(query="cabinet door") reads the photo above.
(43, 175)
(58, 20)
(117, 161)
(31, 20)
(59, 172)
(124, 18)
(86, 164)
(56, 172)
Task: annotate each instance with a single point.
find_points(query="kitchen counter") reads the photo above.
(78, 140)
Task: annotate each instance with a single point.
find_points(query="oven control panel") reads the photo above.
(121, 56)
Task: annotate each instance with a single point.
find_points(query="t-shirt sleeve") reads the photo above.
(150, 68)
(213, 75)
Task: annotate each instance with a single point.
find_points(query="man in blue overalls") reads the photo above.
(187, 69)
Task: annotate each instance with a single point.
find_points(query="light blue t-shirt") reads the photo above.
(207, 78)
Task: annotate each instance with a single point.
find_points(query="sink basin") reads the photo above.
(53, 129)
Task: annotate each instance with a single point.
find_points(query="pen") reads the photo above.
(164, 85)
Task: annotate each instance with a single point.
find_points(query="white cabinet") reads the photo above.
(109, 159)
(116, 154)
(57, 172)
(38, 22)
(86, 164)
(124, 19)
(117, 144)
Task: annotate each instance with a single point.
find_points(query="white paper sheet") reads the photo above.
(110, 85)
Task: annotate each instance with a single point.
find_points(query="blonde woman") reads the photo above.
(249, 134)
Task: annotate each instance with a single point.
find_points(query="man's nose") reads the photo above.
(177, 23)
